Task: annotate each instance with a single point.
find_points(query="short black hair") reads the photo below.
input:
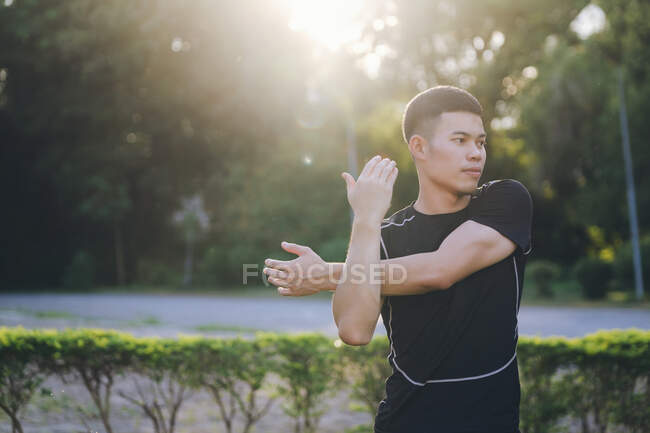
(421, 111)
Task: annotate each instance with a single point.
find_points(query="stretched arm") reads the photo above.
(468, 249)
(357, 301)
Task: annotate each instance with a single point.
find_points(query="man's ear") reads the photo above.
(418, 145)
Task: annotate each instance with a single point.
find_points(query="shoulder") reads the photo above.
(510, 189)
(398, 219)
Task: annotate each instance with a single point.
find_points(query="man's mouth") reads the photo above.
(473, 172)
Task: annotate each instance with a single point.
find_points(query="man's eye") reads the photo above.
(483, 143)
(459, 139)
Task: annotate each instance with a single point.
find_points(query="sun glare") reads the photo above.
(331, 23)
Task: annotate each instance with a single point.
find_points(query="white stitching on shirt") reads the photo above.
(383, 245)
(517, 297)
(392, 351)
(399, 224)
(390, 327)
(392, 348)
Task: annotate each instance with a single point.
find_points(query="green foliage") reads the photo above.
(22, 370)
(156, 273)
(306, 363)
(602, 377)
(152, 107)
(234, 372)
(334, 250)
(213, 267)
(542, 273)
(80, 273)
(624, 264)
(366, 369)
(360, 429)
(594, 276)
(165, 371)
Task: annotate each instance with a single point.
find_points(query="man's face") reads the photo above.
(456, 154)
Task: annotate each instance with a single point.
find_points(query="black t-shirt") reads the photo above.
(453, 352)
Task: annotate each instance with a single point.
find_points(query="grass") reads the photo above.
(46, 314)
(52, 314)
(145, 321)
(215, 327)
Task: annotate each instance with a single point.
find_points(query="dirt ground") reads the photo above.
(59, 412)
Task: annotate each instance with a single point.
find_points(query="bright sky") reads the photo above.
(337, 23)
(590, 20)
(332, 23)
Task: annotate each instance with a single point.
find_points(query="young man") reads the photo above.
(452, 323)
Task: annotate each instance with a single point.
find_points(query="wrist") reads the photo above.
(367, 222)
(333, 277)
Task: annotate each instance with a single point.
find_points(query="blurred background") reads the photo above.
(162, 144)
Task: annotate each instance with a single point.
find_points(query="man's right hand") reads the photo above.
(305, 275)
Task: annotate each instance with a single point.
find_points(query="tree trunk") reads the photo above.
(119, 255)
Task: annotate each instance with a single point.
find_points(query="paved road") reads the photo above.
(167, 315)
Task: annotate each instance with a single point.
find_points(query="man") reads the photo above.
(452, 323)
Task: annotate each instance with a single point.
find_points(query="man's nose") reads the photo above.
(475, 153)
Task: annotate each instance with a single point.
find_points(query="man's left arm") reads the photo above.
(499, 222)
(469, 248)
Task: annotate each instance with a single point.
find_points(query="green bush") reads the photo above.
(542, 273)
(80, 273)
(212, 267)
(594, 276)
(152, 273)
(305, 363)
(602, 378)
(624, 265)
(365, 367)
(224, 266)
(334, 250)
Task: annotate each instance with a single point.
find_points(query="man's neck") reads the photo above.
(433, 199)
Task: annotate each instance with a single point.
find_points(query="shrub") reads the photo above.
(542, 273)
(80, 273)
(212, 267)
(221, 266)
(623, 265)
(305, 366)
(152, 273)
(594, 276)
(334, 250)
(366, 369)
(600, 379)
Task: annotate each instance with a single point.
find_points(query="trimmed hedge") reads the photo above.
(600, 379)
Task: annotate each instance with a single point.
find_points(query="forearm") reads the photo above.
(357, 301)
(412, 275)
(407, 275)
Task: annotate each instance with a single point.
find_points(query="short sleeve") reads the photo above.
(507, 207)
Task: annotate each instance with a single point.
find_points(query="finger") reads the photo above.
(277, 264)
(279, 282)
(349, 180)
(392, 176)
(296, 249)
(376, 170)
(275, 273)
(285, 291)
(387, 170)
(371, 163)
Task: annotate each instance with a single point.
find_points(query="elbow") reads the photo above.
(354, 336)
